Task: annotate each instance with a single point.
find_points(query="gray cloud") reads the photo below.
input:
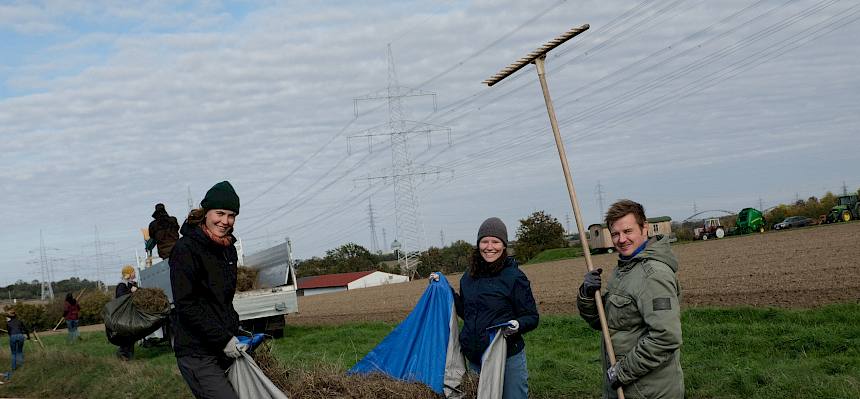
(188, 98)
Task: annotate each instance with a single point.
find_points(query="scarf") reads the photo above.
(222, 241)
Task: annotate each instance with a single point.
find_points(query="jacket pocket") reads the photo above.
(621, 312)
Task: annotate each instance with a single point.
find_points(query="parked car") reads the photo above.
(793, 221)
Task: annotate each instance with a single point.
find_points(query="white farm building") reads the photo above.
(325, 283)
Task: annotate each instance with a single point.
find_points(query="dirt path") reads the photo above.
(796, 268)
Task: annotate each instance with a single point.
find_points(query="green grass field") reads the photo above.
(550, 255)
(727, 353)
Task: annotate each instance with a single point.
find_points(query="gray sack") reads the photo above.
(249, 382)
(491, 384)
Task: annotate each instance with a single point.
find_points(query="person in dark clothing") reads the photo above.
(163, 232)
(203, 279)
(71, 312)
(17, 330)
(125, 287)
(495, 291)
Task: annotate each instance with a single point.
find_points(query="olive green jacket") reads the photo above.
(642, 306)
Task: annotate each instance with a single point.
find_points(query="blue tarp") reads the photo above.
(416, 349)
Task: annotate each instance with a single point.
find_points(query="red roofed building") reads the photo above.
(314, 285)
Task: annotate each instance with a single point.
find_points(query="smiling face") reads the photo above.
(627, 234)
(491, 248)
(220, 221)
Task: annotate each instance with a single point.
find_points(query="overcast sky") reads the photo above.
(107, 109)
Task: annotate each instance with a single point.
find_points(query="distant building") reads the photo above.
(326, 283)
(599, 239)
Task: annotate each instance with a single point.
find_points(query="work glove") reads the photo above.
(591, 283)
(434, 277)
(234, 348)
(513, 328)
(612, 376)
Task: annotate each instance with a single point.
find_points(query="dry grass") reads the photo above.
(151, 300)
(246, 279)
(326, 381)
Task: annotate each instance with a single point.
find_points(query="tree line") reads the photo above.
(536, 233)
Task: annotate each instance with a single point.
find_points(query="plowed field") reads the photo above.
(794, 268)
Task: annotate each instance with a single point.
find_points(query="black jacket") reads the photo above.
(123, 288)
(203, 279)
(16, 326)
(165, 230)
(489, 300)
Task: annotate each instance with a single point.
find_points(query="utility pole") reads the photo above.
(599, 191)
(99, 271)
(190, 200)
(409, 232)
(374, 243)
(442, 238)
(695, 211)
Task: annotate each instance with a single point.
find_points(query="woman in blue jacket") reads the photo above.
(495, 291)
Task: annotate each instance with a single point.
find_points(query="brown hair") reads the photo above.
(623, 208)
(196, 216)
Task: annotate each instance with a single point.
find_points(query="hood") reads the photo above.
(159, 214)
(657, 249)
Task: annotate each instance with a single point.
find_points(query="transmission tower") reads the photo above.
(384, 240)
(844, 188)
(599, 191)
(47, 273)
(374, 244)
(442, 238)
(99, 271)
(190, 200)
(409, 232)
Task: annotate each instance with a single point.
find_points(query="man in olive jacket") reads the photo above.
(642, 306)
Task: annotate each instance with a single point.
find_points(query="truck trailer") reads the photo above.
(260, 310)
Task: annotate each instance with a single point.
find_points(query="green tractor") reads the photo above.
(749, 220)
(847, 208)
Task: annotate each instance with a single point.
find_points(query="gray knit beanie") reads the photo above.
(493, 227)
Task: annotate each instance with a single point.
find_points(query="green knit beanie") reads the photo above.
(221, 196)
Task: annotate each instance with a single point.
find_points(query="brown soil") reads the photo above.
(805, 267)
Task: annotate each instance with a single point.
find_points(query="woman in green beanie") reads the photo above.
(203, 279)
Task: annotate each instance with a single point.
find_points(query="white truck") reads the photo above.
(260, 310)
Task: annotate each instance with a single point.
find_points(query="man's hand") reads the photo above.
(512, 329)
(612, 376)
(234, 349)
(591, 283)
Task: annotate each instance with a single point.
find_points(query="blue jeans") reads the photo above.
(16, 344)
(72, 326)
(516, 376)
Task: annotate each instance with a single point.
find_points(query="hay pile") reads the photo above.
(246, 279)
(327, 381)
(150, 300)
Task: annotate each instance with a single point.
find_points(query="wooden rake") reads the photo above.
(538, 57)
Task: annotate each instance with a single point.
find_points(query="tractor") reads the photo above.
(749, 220)
(847, 208)
(710, 228)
